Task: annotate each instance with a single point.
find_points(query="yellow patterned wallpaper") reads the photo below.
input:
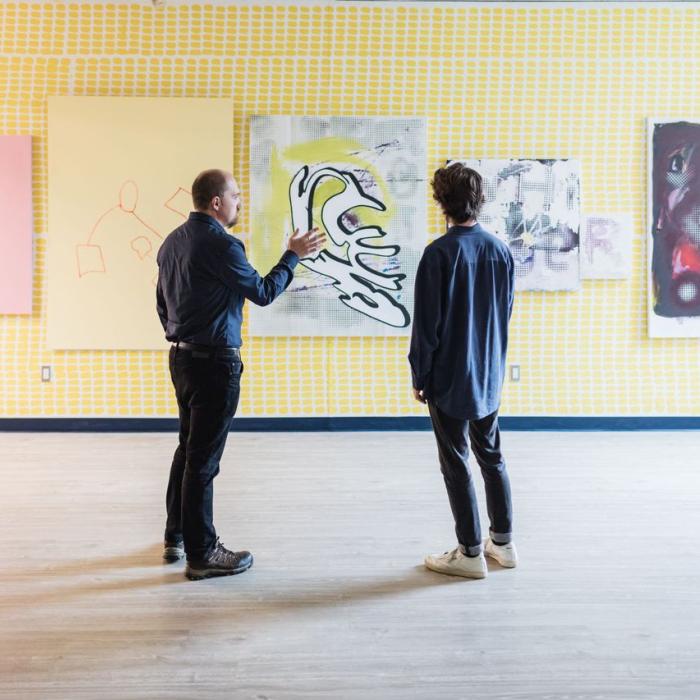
(493, 81)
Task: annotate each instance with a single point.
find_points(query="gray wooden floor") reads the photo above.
(605, 603)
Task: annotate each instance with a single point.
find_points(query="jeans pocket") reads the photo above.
(235, 369)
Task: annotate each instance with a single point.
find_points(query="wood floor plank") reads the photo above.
(338, 605)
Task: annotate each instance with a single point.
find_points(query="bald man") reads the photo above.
(204, 278)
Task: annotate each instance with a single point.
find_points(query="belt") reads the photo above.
(209, 351)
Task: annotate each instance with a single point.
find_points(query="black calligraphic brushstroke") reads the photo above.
(397, 277)
(344, 296)
(406, 317)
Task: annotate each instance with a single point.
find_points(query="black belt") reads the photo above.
(209, 351)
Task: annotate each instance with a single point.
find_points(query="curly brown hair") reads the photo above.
(459, 191)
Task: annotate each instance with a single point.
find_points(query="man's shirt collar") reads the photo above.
(208, 219)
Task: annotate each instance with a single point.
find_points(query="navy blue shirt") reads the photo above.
(203, 279)
(463, 302)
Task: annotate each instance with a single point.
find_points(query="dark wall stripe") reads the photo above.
(330, 423)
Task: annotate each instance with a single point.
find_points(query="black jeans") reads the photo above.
(207, 391)
(453, 449)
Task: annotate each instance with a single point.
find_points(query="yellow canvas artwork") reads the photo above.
(120, 171)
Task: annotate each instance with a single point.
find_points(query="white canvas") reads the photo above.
(362, 181)
(534, 206)
(606, 246)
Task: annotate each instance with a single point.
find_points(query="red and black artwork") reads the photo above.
(675, 228)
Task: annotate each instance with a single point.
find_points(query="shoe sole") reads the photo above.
(504, 564)
(475, 575)
(199, 574)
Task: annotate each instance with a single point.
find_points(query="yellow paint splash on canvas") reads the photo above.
(274, 225)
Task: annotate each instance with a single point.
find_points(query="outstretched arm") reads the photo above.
(238, 274)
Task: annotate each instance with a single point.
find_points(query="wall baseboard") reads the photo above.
(344, 424)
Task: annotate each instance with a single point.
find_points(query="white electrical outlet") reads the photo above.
(45, 373)
(515, 373)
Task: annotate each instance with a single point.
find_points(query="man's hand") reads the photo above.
(418, 396)
(305, 244)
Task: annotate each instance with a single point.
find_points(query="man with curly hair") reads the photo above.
(463, 303)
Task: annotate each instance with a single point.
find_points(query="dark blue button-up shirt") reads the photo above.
(463, 302)
(203, 279)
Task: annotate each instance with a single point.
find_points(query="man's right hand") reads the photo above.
(305, 244)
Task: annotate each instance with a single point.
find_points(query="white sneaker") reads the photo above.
(456, 563)
(504, 554)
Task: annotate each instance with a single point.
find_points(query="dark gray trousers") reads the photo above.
(453, 436)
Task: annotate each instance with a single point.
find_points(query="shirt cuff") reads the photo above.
(290, 258)
(418, 382)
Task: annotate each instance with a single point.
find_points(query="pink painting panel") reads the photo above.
(15, 224)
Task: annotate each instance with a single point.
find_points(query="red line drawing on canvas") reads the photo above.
(90, 256)
(184, 200)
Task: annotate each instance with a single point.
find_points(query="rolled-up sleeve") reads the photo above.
(239, 275)
(427, 317)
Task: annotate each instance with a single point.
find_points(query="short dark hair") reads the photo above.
(207, 185)
(459, 191)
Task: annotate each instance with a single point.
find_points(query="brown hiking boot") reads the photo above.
(219, 562)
